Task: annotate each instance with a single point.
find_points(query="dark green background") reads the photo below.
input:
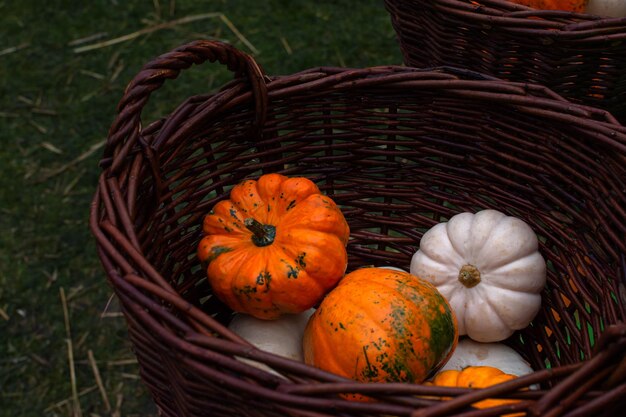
(55, 108)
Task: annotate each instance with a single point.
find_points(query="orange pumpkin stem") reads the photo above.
(262, 234)
(469, 276)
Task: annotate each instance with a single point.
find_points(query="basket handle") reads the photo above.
(125, 129)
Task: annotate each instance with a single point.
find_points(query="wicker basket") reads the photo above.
(399, 149)
(581, 57)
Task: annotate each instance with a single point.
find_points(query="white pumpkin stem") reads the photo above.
(469, 276)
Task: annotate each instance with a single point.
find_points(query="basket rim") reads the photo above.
(118, 248)
(551, 25)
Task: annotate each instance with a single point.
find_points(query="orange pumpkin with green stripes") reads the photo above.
(276, 246)
(381, 325)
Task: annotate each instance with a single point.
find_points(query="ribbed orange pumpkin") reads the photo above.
(567, 5)
(475, 377)
(381, 325)
(276, 246)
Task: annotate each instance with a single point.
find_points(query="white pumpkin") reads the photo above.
(282, 336)
(607, 8)
(488, 267)
(498, 355)
(393, 268)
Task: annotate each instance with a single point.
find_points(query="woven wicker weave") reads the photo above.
(581, 57)
(399, 149)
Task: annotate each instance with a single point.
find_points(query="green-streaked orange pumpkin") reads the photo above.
(475, 377)
(381, 325)
(567, 5)
(276, 246)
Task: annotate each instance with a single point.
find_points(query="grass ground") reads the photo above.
(63, 66)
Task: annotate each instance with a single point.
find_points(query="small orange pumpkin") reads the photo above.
(276, 246)
(381, 325)
(567, 5)
(474, 377)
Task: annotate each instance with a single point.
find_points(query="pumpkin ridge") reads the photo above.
(211, 246)
(293, 219)
(307, 284)
(236, 249)
(248, 257)
(452, 300)
(512, 324)
(440, 232)
(326, 347)
(448, 290)
(447, 274)
(500, 288)
(291, 195)
(476, 251)
(293, 207)
(516, 227)
(460, 252)
(301, 252)
(491, 279)
(489, 302)
(224, 218)
(215, 251)
(241, 255)
(246, 197)
(257, 281)
(506, 264)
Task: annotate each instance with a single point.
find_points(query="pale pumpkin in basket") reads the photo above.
(497, 355)
(488, 267)
(282, 337)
